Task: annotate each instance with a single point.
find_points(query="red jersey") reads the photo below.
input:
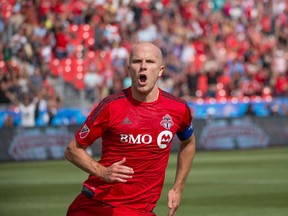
(140, 132)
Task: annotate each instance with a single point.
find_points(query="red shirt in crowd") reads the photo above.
(281, 85)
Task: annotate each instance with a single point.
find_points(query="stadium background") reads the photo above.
(223, 57)
(228, 59)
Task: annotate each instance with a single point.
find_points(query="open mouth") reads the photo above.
(142, 78)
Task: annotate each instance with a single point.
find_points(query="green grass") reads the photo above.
(238, 183)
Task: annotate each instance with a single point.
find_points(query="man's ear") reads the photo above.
(161, 71)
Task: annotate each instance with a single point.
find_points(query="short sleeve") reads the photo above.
(94, 125)
(186, 130)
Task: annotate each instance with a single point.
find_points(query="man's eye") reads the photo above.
(136, 61)
(139, 61)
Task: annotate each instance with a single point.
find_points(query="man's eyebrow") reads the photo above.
(151, 59)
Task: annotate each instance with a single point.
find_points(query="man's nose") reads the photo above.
(143, 64)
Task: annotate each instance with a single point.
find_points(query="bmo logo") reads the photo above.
(164, 138)
(140, 138)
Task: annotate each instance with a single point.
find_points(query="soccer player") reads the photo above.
(137, 126)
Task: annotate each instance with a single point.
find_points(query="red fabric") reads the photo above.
(215, 28)
(44, 7)
(199, 46)
(199, 61)
(137, 132)
(84, 206)
(231, 42)
(281, 84)
(61, 40)
(262, 76)
(225, 80)
(59, 7)
(202, 83)
(166, 2)
(77, 7)
(266, 23)
(250, 87)
(186, 10)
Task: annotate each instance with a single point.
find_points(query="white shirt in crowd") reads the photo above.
(27, 114)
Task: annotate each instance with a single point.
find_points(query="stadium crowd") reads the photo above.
(213, 48)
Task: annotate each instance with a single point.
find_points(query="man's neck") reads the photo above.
(146, 98)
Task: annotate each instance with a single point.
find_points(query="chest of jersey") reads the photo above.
(149, 127)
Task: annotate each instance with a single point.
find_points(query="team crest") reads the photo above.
(167, 122)
(84, 131)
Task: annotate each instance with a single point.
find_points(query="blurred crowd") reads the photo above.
(212, 48)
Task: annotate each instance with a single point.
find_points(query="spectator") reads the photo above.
(62, 41)
(7, 52)
(250, 110)
(119, 56)
(148, 30)
(9, 121)
(212, 78)
(250, 87)
(284, 108)
(41, 111)
(192, 79)
(92, 81)
(281, 85)
(36, 80)
(99, 31)
(4, 98)
(53, 104)
(27, 108)
(247, 40)
(273, 109)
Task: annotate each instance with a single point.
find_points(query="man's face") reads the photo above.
(145, 65)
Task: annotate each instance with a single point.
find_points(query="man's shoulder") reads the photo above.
(113, 101)
(115, 97)
(168, 96)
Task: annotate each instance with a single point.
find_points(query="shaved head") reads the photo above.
(147, 46)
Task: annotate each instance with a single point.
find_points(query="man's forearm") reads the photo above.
(116, 172)
(185, 158)
(82, 159)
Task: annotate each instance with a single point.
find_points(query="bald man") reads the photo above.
(137, 126)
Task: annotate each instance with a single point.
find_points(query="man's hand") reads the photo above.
(117, 172)
(174, 198)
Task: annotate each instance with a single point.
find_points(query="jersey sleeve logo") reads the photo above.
(167, 122)
(84, 132)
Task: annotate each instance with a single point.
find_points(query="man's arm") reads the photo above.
(184, 161)
(117, 172)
